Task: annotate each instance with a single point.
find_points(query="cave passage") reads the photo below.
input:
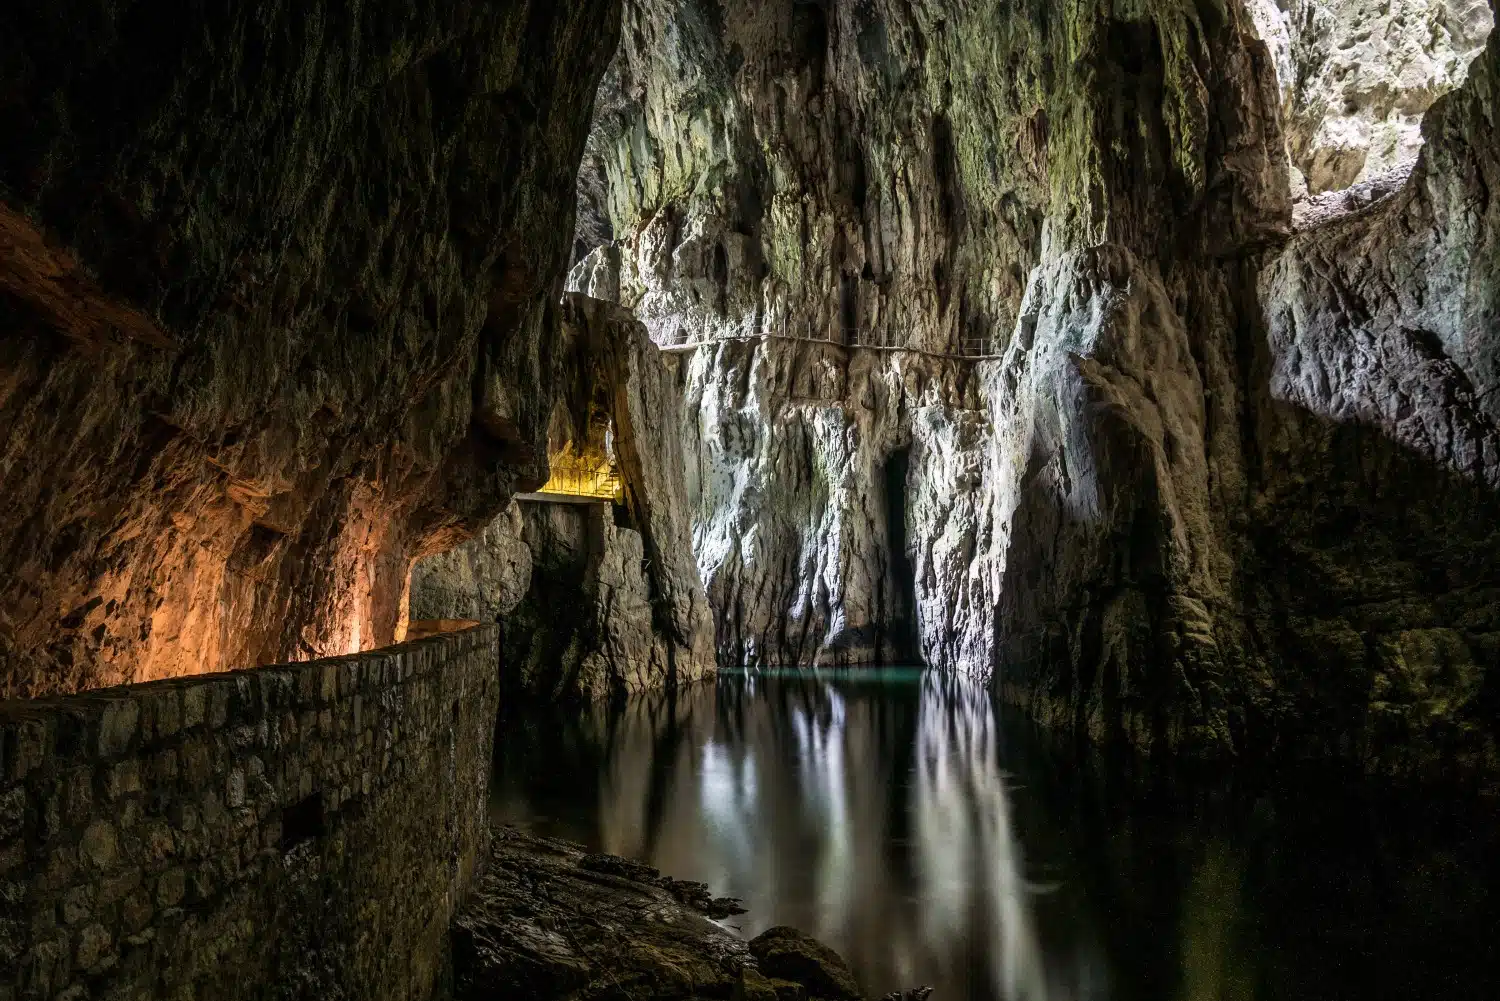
(931, 838)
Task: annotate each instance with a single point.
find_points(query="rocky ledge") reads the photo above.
(549, 920)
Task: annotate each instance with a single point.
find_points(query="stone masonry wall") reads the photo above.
(283, 832)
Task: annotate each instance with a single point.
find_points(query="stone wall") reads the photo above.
(284, 832)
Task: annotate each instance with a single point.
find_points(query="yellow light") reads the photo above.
(584, 476)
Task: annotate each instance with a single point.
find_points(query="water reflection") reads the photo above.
(891, 814)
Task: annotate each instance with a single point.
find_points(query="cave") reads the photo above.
(1011, 491)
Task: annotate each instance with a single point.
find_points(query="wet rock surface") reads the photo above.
(549, 920)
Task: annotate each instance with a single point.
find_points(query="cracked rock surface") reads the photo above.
(1011, 339)
(278, 289)
(596, 599)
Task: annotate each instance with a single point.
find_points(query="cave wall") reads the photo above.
(595, 599)
(1357, 77)
(1199, 459)
(278, 297)
(1377, 518)
(965, 182)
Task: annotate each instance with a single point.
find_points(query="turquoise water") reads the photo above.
(932, 839)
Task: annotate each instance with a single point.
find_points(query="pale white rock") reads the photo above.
(1356, 77)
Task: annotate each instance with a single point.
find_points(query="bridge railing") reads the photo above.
(978, 346)
(584, 476)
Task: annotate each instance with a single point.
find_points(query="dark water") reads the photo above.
(932, 840)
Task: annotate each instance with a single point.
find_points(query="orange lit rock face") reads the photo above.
(264, 343)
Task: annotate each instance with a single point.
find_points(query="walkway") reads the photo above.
(983, 351)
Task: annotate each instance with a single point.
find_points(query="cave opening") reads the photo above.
(901, 632)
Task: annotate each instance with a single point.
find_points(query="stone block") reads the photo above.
(171, 887)
(157, 841)
(43, 919)
(12, 812)
(194, 706)
(203, 880)
(118, 885)
(218, 705)
(234, 789)
(166, 713)
(12, 854)
(50, 962)
(163, 767)
(123, 778)
(27, 743)
(78, 796)
(117, 726)
(78, 905)
(308, 684)
(136, 911)
(197, 766)
(99, 846)
(128, 813)
(95, 945)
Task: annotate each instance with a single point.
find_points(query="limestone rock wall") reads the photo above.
(481, 580)
(806, 463)
(1378, 510)
(297, 831)
(278, 314)
(1356, 78)
(595, 598)
(948, 190)
(1165, 471)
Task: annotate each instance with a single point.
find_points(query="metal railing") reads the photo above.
(972, 347)
(583, 476)
(981, 346)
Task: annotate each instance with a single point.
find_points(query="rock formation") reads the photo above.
(1377, 519)
(993, 329)
(277, 292)
(1356, 78)
(1104, 351)
(549, 920)
(595, 598)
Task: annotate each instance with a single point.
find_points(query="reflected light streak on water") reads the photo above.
(879, 811)
(963, 824)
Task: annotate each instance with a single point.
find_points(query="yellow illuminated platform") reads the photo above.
(583, 476)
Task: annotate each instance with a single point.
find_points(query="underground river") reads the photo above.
(932, 839)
